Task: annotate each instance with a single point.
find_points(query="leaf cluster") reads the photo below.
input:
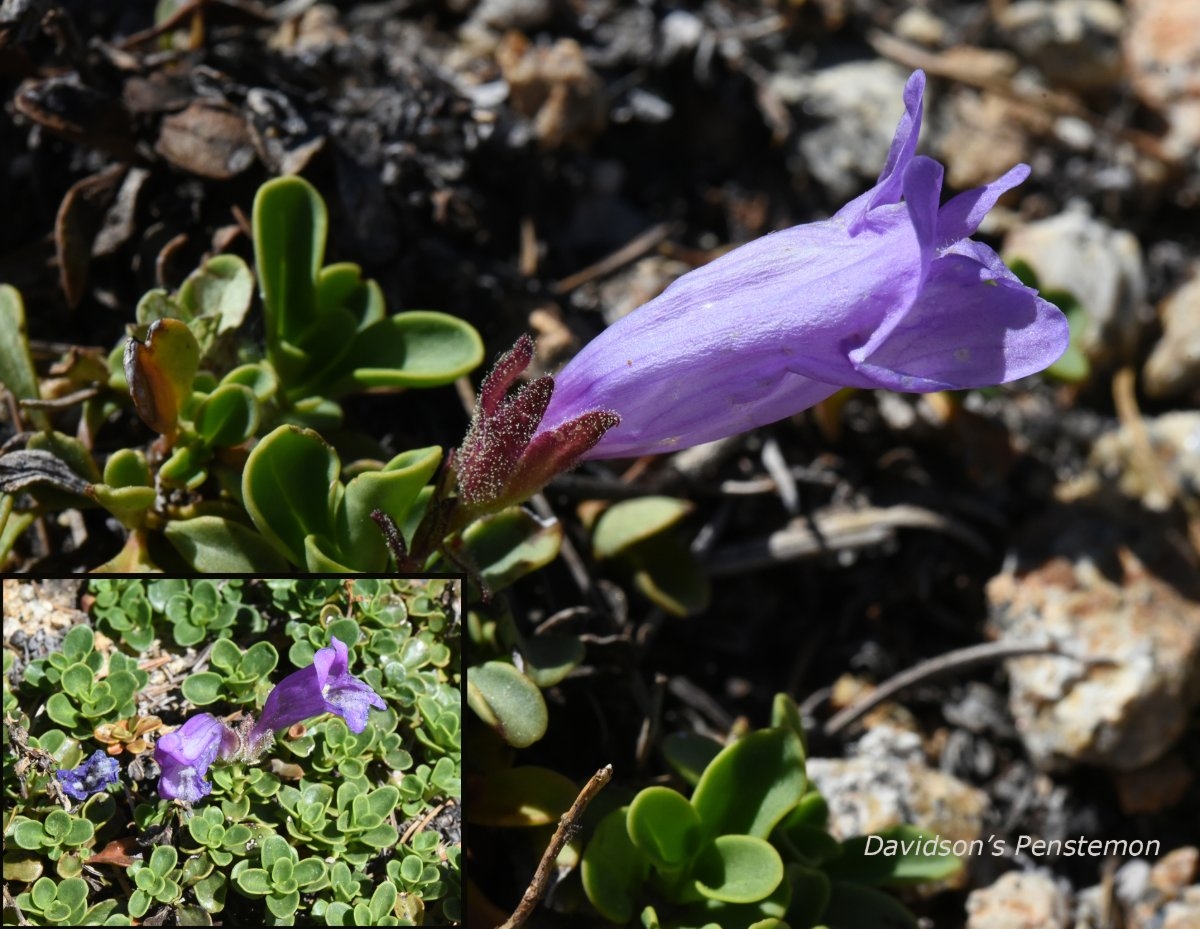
(242, 476)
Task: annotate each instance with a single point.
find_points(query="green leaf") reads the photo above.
(163, 860)
(666, 572)
(664, 826)
(254, 881)
(57, 824)
(550, 657)
(127, 467)
(309, 871)
(854, 905)
(127, 504)
(414, 349)
(508, 701)
(192, 916)
(341, 286)
(28, 833)
(290, 224)
(258, 377)
(689, 754)
(259, 661)
(214, 545)
(411, 868)
(810, 894)
(384, 836)
(613, 869)
(79, 832)
(525, 795)
(510, 544)
(158, 304)
(73, 892)
(752, 784)
(139, 903)
(738, 869)
(319, 559)
(43, 892)
(60, 709)
(222, 287)
(160, 373)
(629, 522)
(200, 826)
(283, 905)
(393, 490)
(77, 680)
(382, 901)
(16, 364)
(281, 871)
(809, 845)
(382, 801)
(228, 416)
(122, 685)
(290, 488)
(187, 467)
(210, 892)
(203, 688)
(275, 848)
(227, 656)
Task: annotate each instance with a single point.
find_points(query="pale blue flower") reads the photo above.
(889, 292)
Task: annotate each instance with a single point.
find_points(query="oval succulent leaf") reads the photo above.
(738, 869)
(289, 485)
(509, 702)
(228, 416)
(290, 222)
(420, 348)
(752, 784)
(664, 826)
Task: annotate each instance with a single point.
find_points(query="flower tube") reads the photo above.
(889, 292)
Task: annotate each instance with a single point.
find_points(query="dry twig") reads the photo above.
(957, 660)
(568, 823)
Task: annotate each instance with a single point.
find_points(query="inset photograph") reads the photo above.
(232, 751)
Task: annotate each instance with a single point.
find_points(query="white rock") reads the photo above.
(1129, 701)
(858, 105)
(1075, 43)
(1173, 368)
(887, 783)
(1162, 48)
(1020, 900)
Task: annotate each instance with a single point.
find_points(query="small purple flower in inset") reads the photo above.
(91, 777)
(889, 292)
(325, 686)
(186, 754)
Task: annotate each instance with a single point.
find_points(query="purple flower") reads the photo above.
(889, 292)
(186, 754)
(325, 686)
(91, 777)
